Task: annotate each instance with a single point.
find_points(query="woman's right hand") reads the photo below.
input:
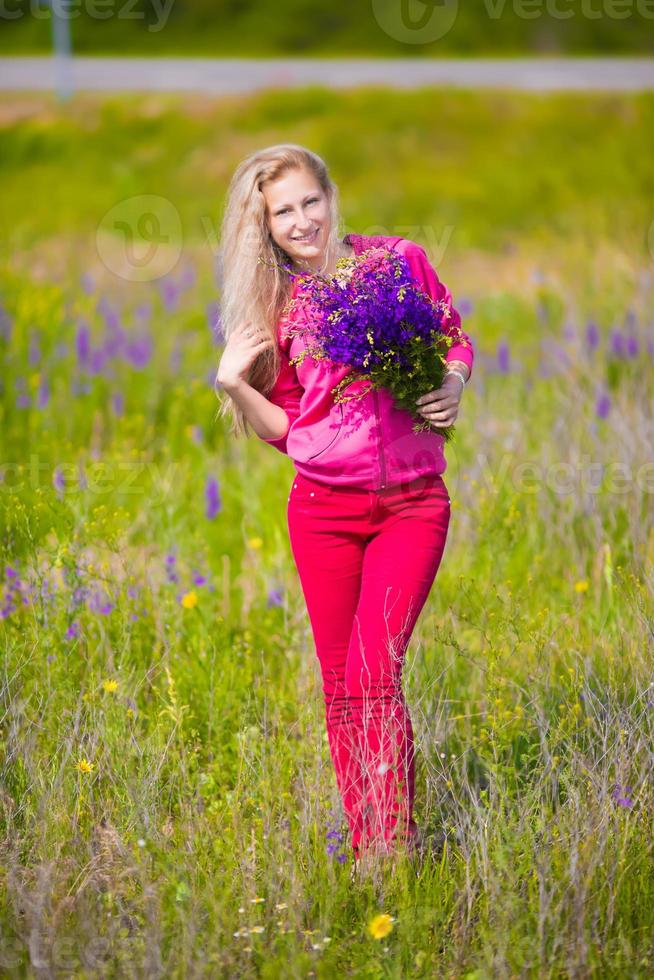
(242, 348)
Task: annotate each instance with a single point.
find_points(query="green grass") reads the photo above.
(528, 676)
(300, 28)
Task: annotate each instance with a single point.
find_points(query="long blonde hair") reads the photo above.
(258, 291)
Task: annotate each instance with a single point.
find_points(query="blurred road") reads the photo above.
(225, 76)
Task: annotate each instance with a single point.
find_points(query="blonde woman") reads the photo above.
(368, 509)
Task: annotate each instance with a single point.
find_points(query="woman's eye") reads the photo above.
(312, 200)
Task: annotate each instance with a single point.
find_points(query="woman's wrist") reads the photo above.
(459, 375)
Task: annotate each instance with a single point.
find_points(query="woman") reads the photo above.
(368, 510)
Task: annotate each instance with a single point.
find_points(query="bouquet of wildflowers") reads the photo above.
(372, 316)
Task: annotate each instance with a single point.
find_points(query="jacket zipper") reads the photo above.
(380, 442)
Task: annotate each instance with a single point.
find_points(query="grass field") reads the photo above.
(166, 789)
(412, 28)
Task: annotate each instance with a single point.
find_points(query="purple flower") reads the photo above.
(170, 292)
(631, 345)
(592, 335)
(34, 355)
(58, 480)
(23, 401)
(97, 361)
(108, 313)
(171, 569)
(602, 405)
(118, 403)
(621, 796)
(199, 579)
(212, 498)
(617, 346)
(275, 597)
(503, 357)
(43, 396)
(83, 343)
(139, 351)
(72, 631)
(99, 602)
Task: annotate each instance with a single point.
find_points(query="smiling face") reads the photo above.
(297, 212)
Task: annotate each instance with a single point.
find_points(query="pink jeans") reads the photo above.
(366, 560)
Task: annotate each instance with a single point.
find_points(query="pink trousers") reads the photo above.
(366, 560)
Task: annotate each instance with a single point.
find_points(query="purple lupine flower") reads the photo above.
(621, 796)
(83, 343)
(87, 283)
(171, 568)
(23, 401)
(275, 597)
(617, 345)
(58, 481)
(72, 632)
(43, 396)
(100, 602)
(199, 579)
(212, 498)
(592, 335)
(503, 357)
(631, 345)
(34, 354)
(334, 844)
(170, 293)
(214, 320)
(118, 403)
(97, 361)
(108, 313)
(139, 351)
(603, 405)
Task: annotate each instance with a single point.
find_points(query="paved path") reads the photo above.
(223, 76)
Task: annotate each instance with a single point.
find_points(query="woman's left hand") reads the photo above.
(441, 406)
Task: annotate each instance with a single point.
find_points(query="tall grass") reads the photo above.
(166, 789)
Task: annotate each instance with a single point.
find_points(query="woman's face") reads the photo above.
(298, 217)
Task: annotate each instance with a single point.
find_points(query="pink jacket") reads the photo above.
(367, 442)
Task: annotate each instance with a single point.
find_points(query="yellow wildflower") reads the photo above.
(84, 765)
(189, 600)
(380, 925)
(255, 542)
(110, 686)
(581, 585)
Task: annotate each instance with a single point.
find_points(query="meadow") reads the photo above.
(167, 801)
(300, 28)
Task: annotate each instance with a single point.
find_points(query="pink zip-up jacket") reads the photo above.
(367, 442)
